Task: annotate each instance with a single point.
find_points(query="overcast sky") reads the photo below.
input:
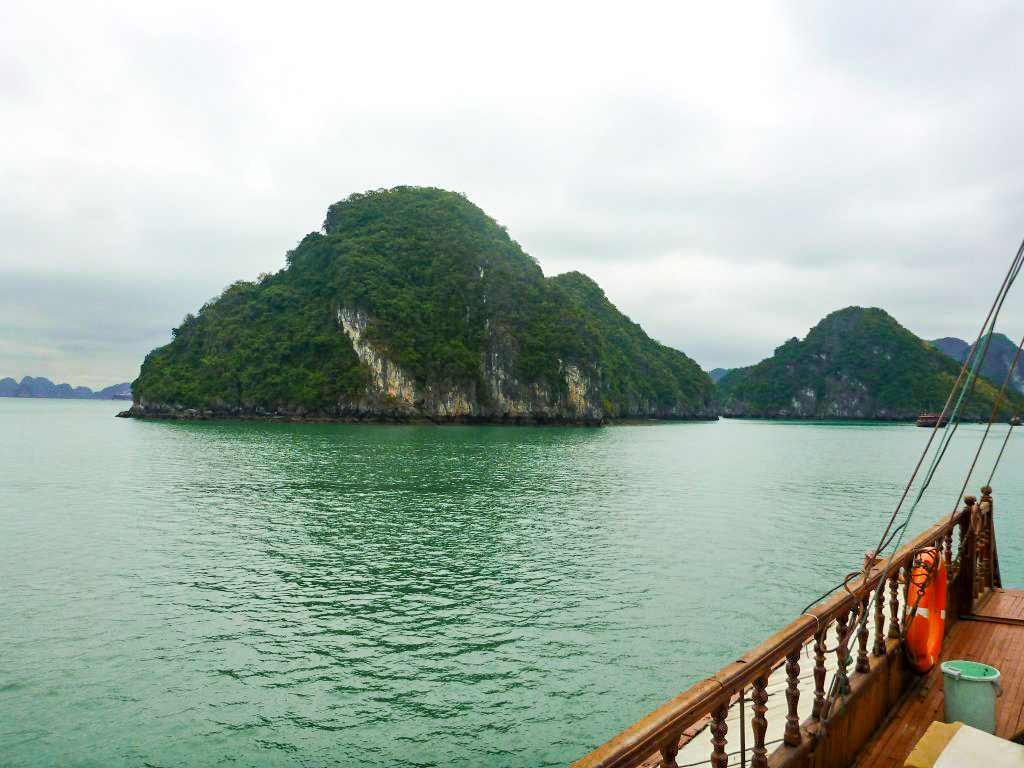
(728, 173)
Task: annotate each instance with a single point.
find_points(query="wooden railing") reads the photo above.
(845, 712)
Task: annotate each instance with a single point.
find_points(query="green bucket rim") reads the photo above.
(974, 671)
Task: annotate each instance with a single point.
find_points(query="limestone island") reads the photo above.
(411, 304)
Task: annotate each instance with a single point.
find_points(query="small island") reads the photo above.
(857, 363)
(411, 304)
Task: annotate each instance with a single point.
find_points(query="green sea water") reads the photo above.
(242, 594)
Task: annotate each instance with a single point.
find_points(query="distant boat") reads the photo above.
(930, 419)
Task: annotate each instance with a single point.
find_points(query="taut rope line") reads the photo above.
(988, 427)
(967, 390)
(971, 363)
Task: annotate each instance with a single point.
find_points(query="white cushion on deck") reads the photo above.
(965, 747)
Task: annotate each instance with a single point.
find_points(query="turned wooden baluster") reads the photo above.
(819, 674)
(977, 515)
(982, 550)
(894, 604)
(719, 758)
(906, 571)
(947, 543)
(990, 536)
(879, 646)
(842, 651)
(863, 665)
(760, 723)
(987, 572)
(668, 754)
(792, 734)
(964, 525)
(965, 569)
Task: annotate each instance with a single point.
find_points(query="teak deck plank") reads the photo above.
(1001, 645)
(1004, 603)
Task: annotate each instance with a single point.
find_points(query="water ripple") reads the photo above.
(309, 595)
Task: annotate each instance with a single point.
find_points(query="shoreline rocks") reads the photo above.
(396, 416)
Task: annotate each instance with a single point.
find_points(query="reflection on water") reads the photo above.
(185, 594)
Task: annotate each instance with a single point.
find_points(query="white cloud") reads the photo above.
(729, 173)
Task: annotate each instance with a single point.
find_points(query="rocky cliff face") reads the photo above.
(392, 394)
(498, 396)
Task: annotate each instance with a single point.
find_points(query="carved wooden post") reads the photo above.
(760, 723)
(792, 734)
(842, 640)
(981, 553)
(863, 665)
(967, 571)
(743, 728)
(719, 758)
(947, 544)
(995, 578)
(668, 754)
(879, 646)
(894, 604)
(983, 542)
(907, 570)
(986, 536)
(819, 674)
(965, 528)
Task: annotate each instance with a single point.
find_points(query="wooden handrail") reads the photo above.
(665, 725)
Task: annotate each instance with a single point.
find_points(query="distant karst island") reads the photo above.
(859, 363)
(998, 358)
(411, 304)
(39, 386)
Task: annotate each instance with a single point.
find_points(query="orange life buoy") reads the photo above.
(924, 637)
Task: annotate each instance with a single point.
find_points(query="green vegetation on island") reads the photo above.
(639, 374)
(455, 312)
(856, 363)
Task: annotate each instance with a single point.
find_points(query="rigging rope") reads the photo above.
(995, 408)
(1013, 423)
(989, 322)
(978, 356)
(971, 365)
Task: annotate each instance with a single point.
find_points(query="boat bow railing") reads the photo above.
(863, 660)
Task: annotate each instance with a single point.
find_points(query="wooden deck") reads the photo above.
(995, 635)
